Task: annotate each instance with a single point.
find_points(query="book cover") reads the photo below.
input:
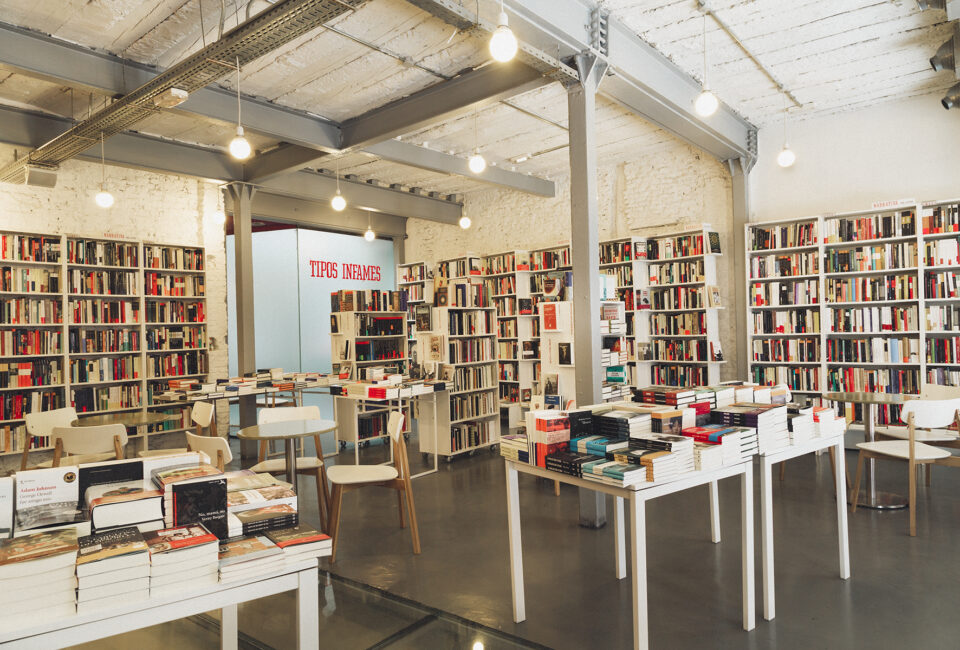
(549, 312)
(421, 316)
(564, 354)
(113, 543)
(714, 239)
(47, 497)
(37, 546)
(202, 502)
(296, 536)
(267, 512)
(259, 495)
(245, 549)
(164, 477)
(178, 537)
(334, 325)
(111, 472)
(551, 384)
(246, 479)
(107, 493)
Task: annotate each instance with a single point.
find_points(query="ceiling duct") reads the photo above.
(264, 33)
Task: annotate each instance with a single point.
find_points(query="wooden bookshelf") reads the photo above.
(886, 304)
(98, 339)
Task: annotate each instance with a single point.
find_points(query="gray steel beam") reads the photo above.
(740, 177)
(477, 87)
(58, 61)
(585, 253)
(319, 214)
(283, 159)
(639, 78)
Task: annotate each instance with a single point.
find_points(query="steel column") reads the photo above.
(740, 177)
(241, 197)
(585, 252)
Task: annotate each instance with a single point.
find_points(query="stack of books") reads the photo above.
(681, 448)
(727, 439)
(568, 462)
(597, 445)
(668, 395)
(301, 542)
(550, 427)
(656, 465)
(613, 473)
(723, 395)
(247, 557)
(113, 567)
(581, 422)
(257, 521)
(38, 577)
(707, 457)
(826, 421)
(622, 425)
(182, 558)
(131, 503)
(800, 423)
(515, 447)
(769, 421)
(670, 420)
(194, 494)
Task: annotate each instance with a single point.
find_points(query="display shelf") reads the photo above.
(413, 277)
(357, 335)
(507, 278)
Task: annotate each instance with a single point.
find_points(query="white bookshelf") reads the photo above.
(625, 259)
(543, 261)
(412, 278)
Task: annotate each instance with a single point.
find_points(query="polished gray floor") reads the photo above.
(902, 592)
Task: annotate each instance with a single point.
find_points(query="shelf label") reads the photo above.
(898, 203)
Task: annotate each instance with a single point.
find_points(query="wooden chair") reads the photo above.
(397, 477)
(201, 414)
(308, 465)
(215, 447)
(42, 423)
(924, 414)
(82, 443)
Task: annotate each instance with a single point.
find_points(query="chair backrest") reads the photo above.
(286, 414)
(936, 391)
(217, 448)
(90, 440)
(930, 414)
(42, 423)
(202, 413)
(395, 425)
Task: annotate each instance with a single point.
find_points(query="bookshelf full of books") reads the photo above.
(684, 321)
(547, 266)
(88, 322)
(412, 278)
(859, 301)
(462, 351)
(624, 261)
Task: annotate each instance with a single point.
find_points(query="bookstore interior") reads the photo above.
(257, 255)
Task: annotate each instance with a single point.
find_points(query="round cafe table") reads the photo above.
(871, 498)
(288, 431)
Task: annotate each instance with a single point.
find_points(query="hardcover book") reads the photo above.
(177, 538)
(564, 354)
(166, 477)
(36, 553)
(292, 537)
(245, 549)
(202, 502)
(111, 544)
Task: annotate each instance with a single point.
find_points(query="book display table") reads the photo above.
(767, 461)
(637, 496)
(71, 630)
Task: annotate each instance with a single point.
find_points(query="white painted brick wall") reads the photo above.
(670, 190)
(149, 207)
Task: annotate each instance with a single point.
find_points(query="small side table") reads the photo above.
(288, 431)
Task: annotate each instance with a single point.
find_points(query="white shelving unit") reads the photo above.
(412, 278)
(626, 259)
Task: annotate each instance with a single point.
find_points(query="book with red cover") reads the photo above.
(542, 451)
(296, 536)
(178, 538)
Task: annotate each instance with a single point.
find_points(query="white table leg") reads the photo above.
(516, 549)
(308, 605)
(766, 538)
(620, 541)
(746, 517)
(714, 513)
(840, 475)
(638, 561)
(228, 628)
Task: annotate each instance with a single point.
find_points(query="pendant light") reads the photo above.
(707, 103)
(239, 147)
(477, 163)
(338, 203)
(503, 43)
(786, 157)
(465, 222)
(103, 198)
(369, 235)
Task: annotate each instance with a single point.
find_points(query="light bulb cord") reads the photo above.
(239, 104)
(705, 86)
(338, 175)
(103, 164)
(784, 120)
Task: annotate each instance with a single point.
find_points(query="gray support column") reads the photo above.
(740, 176)
(585, 252)
(241, 196)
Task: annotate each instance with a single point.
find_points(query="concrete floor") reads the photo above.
(902, 592)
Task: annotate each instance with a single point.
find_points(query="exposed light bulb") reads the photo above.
(477, 163)
(503, 43)
(338, 203)
(104, 198)
(465, 222)
(369, 235)
(239, 147)
(786, 157)
(478, 645)
(706, 104)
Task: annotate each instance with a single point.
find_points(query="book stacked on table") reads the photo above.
(301, 542)
(727, 439)
(38, 578)
(257, 521)
(800, 423)
(705, 395)
(550, 427)
(581, 422)
(658, 465)
(597, 445)
(681, 447)
(723, 395)
(182, 558)
(670, 420)
(668, 395)
(613, 473)
(246, 557)
(707, 457)
(568, 462)
(113, 567)
(769, 421)
(825, 421)
(622, 425)
(515, 447)
(194, 494)
(129, 503)
(249, 491)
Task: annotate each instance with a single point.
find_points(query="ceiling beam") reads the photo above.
(22, 128)
(446, 99)
(639, 77)
(58, 61)
(284, 158)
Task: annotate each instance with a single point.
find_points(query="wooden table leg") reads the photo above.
(714, 513)
(516, 549)
(308, 611)
(746, 518)
(228, 628)
(619, 538)
(638, 562)
(766, 538)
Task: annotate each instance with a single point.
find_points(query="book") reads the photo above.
(163, 478)
(37, 552)
(116, 549)
(200, 502)
(564, 354)
(177, 544)
(239, 500)
(271, 517)
(47, 497)
(121, 504)
(246, 549)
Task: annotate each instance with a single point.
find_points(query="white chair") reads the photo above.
(81, 444)
(43, 423)
(201, 414)
(926, 414)
(397, 477)
(307, 465)
(215, 447)
(929, 392)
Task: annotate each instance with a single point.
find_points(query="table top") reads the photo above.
(870, 398)
(287, 429)
(131, 419)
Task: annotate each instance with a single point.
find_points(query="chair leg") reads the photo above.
(336, 500)
(414, 530)
(783, 470)
(927, 471)
(912, 476)
(400, 505)
(556, 488)
(326, 496)
(322, 502)
(856, 483)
